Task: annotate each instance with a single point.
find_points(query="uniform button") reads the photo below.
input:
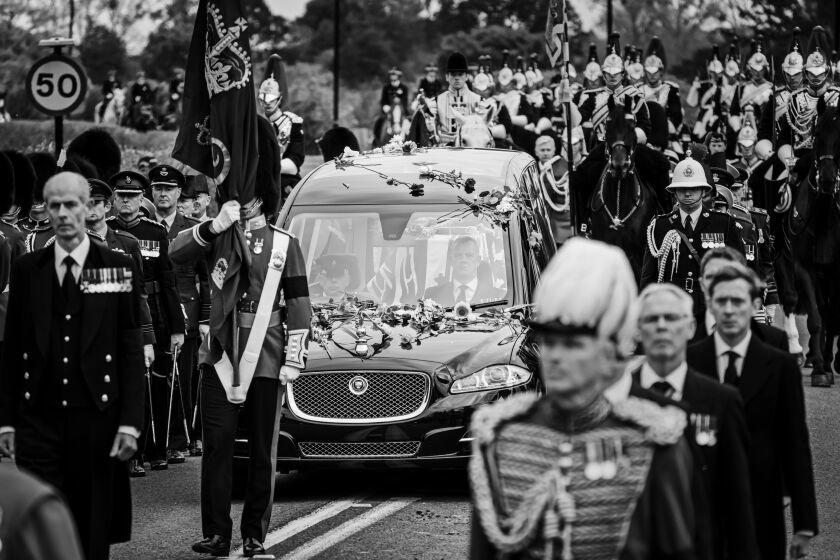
(64, 359)
(65, 381)
(104, 398)
(690, 274)
(66, 339)
(67, 317)
(25, 356)
(64, 403)
(26, 395)
(26, 375)
(108, 358)
(107, 379)
(691, 239)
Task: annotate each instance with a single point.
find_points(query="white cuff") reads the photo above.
(127, 430)
(6, 430)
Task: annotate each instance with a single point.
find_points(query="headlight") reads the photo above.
(490, 378)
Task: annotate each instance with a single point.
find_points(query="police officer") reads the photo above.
(287, 125)
(677, 240)
(456, 101)
(194, 291)
(277, 274)
(164, 302)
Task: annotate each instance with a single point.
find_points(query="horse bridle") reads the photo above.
(816, 182)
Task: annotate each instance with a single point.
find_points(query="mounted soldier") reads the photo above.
(793, 67)
(634, 68)
(705, 95)
(755, 93)
(431, 85)
(273, 96)
(665, 93)
(457, 101)
(108, 87)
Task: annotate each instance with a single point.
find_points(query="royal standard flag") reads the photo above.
(555, 31)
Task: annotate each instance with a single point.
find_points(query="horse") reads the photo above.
(141, 117)
(814, 223)
(388, 124)
(620, 187)
(114, 108)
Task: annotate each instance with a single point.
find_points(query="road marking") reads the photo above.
(287, 531)
(331, 538)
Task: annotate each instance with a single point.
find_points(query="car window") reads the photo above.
(418, 255)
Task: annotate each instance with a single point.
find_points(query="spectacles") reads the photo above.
(669, 318)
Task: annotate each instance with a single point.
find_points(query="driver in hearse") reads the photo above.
(335, 276)
(467, 284)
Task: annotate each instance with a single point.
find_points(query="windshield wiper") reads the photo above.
(484, 304)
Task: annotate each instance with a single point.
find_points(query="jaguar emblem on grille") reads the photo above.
(358, 385)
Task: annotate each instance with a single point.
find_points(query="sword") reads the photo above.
(171, 394)
(177, 375)
(151, 407)
(197, 396)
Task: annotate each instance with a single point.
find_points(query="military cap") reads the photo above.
(457, 62)
(200, 186)
(129, 182)
(188, 192)
(149, 160)
(99, 190)
(166, 176)
(335, 265)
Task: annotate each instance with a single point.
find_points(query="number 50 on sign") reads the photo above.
(56, 85)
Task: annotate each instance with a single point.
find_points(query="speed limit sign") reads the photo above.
(56, 84)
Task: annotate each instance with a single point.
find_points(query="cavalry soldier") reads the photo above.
(593, 86)
(796, 128)
(677, 240)
(163, 299)
(663, 92)
(430, 84)
(755, 93)
(176, 91)
(192, 278)
(731, 75)
(141, 92)
(705, 95)
(482, 82)
(394, 92)
(593, 104)
(747, 149)
(634, 68)
(277, 292)
(457, 101)
(108, 86)
(288, 126)
(793, 67)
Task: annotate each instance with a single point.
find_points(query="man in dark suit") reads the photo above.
(466, 285)
(192, 280)
(716, 427)
(714, 260)
(771, 387)
(71, 381)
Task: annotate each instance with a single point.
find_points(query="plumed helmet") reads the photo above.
(334, 140)
(612, 63)
(714, 64)
(45, 167)
(748, 135)
(519, 73)
(689, 174)
(505, 73)
(793, 62)
(98, 147)
(274, 86)
(636, 70)
(457, 62)
(24, 180)
(655, 60)
(592, 71)
(819, 48)
(268, 167)
(733, 60)
(588, 287)
(758, 59)
(7, 184)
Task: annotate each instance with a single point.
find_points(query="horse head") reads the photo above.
(620, 137)
(474, 132)
(826, 148)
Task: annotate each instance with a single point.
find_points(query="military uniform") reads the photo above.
(142, 94)
(666, 94)
(431, 89)
(449, 104)
(796, 127)
(594, 109)
(289, 129)
(37, 234)
(400, 92)
(163, 299)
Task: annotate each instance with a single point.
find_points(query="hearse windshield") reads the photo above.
(396, 256)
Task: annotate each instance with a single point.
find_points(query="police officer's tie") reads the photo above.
(69, 287)
(663, 388)
(730, 376)
(689, 227)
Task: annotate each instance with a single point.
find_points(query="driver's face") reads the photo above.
(465, 260)
(334, 285)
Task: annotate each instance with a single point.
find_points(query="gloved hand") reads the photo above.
(203, 330)
(149, 354)
(288, 374)
(175, 341)
(228, 215)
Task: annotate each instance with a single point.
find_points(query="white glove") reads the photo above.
(228, 215)
(203, 330)
(148, 354)
(288, 374)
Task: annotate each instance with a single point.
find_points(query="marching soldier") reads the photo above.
(194, 291)
(677, 240)
(266, 357)
(665, 93)
(288, 126)
(457, 101)
(163, 299)
(554, 179)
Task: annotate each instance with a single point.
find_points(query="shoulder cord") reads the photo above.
(560, 188)
(670, 244)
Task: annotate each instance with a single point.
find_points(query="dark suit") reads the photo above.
(444, 294)
(64, 432)
(768, 334)
(779, 453)
(725, 470)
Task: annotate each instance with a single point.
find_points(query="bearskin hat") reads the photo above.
(80, 165)
(334, 140)
(45, 167)
(98, 147)
(24, 180)
(268, 167)
(7, 184)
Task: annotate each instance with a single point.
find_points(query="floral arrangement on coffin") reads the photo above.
(408, 325)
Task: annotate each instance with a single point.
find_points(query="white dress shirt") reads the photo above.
(711, 323)
(721, 353)
(676, 379)
(168, 219)
(694, 216)
(471, 286)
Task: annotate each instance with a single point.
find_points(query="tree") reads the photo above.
(101, 50)
(167, 49)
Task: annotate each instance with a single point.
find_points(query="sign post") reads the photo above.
(56, 85)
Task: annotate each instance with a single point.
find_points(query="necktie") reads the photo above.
(69, 288)
(663, 388)
(163, 222)
(730, 376)
(462, 294)
(689, 228)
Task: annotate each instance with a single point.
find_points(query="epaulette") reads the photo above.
(757, 210)
(663, 425)
(293, 117)
(150, 221)
(672, 84)
(125, 234)
(739, 206)
(281, 230)
(486, 419)
(96, 236)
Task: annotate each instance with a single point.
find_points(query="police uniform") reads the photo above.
(453, 103)
(163, 299)
(674, 252)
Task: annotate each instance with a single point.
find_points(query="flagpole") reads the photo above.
(567, 104)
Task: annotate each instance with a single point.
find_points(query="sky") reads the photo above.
(289, 9)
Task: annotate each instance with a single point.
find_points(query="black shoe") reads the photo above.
(159, 465)
(252, 547)
(175, 457)
(135, 469)
(196, 448)
(216, 545)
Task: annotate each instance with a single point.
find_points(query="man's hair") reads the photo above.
(69, 176)
(666, 288)
(463, 240)
(726, 253)
(731, 273)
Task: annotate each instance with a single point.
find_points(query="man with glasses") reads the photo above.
(466, 285)
(163, 299)
(770, 385)
(716, 420)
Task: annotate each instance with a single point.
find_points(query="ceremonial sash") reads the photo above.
(763, 89)
(251, 354)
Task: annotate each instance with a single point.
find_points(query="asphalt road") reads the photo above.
(397, 514)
